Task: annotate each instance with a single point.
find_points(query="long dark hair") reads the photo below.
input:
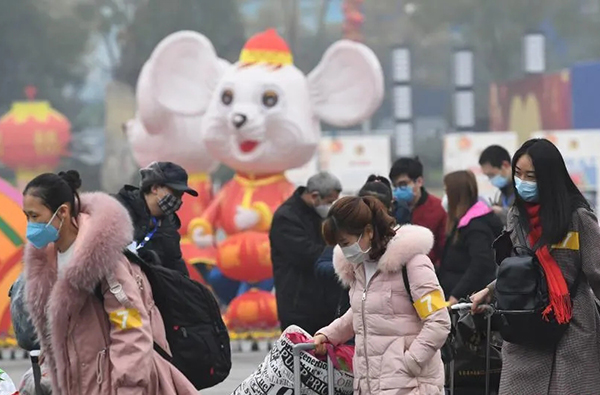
(559, 198)
(55, 190)
(352, 214)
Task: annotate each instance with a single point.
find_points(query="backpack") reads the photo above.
(196, 333)
(521, 294)
(24, 329)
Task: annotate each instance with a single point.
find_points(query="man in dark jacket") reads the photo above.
(416, 205)
(152, 209)
(296, 244)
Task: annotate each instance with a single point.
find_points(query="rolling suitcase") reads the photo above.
(297, 350)
(450, 390)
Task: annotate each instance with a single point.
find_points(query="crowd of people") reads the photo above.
(378, 270)
(404, 256)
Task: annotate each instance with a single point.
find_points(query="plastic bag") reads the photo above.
(27, 385)
(275, 376)
(7, 387)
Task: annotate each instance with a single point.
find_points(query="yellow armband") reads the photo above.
(126, 319)
(430, 303)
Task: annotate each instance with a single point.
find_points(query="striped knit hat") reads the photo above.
(266, 47)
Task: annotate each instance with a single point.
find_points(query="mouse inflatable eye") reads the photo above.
(227, 97)
(270, 99)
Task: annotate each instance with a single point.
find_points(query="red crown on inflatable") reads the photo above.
(266, 47)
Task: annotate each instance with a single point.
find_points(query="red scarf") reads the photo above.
(558, 291)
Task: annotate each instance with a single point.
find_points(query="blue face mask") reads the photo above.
(41, 234)
(498, 181)
(404, 194)
(527, 190)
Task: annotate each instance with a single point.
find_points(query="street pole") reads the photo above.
(464, 97)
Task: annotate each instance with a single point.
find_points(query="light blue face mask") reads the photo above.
(527, 190)
(404, 194)
(42, 234)
(499, 181)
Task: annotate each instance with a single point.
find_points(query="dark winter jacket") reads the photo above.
(337, 298)
(296, 244)
(164, 244)
(468, 263)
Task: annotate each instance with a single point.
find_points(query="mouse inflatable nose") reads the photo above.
(239, 120)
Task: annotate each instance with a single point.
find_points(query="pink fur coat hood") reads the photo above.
(85, 347)
(410, 241)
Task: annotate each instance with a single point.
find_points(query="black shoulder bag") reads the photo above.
(521, 295)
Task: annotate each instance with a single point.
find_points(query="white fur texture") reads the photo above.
(410, 241)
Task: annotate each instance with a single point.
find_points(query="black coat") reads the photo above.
(468, 264)
(337, 297)
(164, 244)
(296, 244)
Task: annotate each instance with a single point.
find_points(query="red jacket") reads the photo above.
(430, 214)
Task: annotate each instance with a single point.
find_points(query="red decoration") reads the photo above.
(354, 19)
(246, 257)
(253, 310)
(33, 135)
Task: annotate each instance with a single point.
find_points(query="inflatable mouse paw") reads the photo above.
(246, 218)
(202, 240)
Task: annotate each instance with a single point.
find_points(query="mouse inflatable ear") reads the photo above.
(178, 79)
(347, 85)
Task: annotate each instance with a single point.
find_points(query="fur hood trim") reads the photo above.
(410, 241)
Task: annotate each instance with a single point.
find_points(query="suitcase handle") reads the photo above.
(34, 355)
(297, 350)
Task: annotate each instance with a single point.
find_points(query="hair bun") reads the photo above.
(72, 178)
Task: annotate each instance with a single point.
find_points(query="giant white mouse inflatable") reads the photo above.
(175, 137)
(261, 117)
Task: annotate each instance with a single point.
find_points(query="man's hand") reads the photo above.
(202, 240)
(246, 218)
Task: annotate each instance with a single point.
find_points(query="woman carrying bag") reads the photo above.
(562, 234)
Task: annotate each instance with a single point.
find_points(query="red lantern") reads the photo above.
(254, 310)
(354, 19)
(246, 257)
(33, 137)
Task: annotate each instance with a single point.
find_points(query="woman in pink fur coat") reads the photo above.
(397, 343)
(92, 347)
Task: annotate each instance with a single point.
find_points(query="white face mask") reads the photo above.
(445, 202)
(323, 210)
(354, 254)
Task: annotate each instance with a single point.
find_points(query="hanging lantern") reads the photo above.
(354, 19)
(33, 137)
(246, 257)
(253, 310)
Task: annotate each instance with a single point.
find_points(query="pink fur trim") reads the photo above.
(410, 241)
(105, 229)
(479, 209)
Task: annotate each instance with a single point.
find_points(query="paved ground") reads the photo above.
(243, 365)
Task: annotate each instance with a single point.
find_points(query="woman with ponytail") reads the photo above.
(397, 342)
(90, 344)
